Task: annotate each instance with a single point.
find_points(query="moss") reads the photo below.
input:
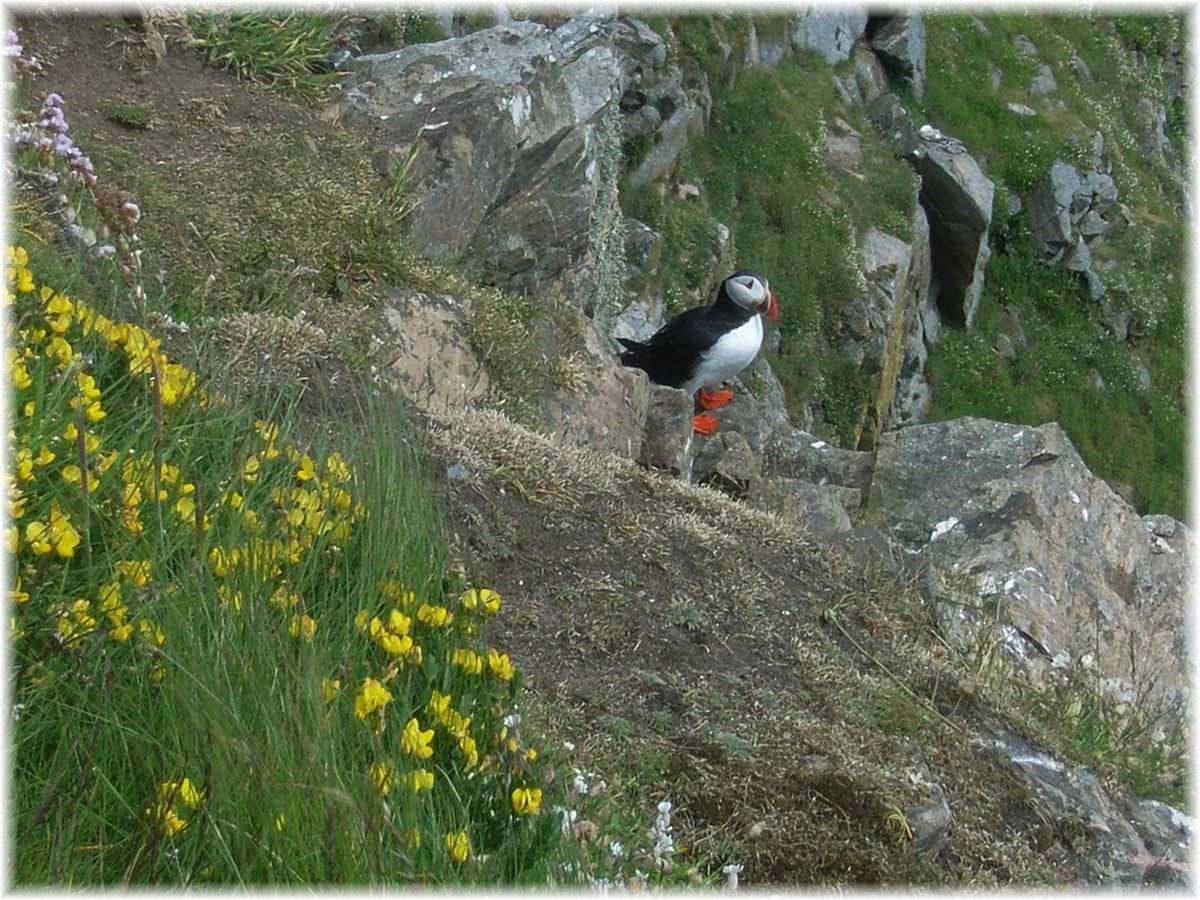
(130, 115)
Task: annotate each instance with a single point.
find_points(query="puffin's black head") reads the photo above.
(750, 290)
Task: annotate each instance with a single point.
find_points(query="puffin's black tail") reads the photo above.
(633, 353)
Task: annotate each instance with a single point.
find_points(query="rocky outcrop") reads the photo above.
(1027, 548)
(1068, 214)
(829, 32)
(957, 198)
(1123, 840)
(508, 127)
(900, 44)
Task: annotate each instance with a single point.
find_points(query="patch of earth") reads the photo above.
(766, 684)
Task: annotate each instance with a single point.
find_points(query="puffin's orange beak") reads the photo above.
(772, 310)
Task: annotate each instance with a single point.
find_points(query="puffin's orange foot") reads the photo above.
(704, 424)
(715, 399)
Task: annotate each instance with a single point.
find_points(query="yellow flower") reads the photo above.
(371, 696)
(45, 456)
(458, 845)
(485, 597)
(62, 533)
(439, 704)
(136, 570)
(412, 839)
(470, 661)
(415, 742)
(500, 665)
(37, 537)
(394, 645)
(280, 821)
(330, 688)
(419, 780)
(250, 469)
(30, 408)
(398, 622)
(72, 473)
(268, 431)
(166, 819)
(469, 750)
(121, 633)
(303, 626)
(435, 616)
(382, 774)
(526, 801)
(360, 620)
(151, 632)
(16, 595)
(306, 469)
(336, 468)
(189, 795)
(13, 534)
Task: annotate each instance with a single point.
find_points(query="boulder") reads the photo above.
(1056, 200)
(869, 76)
(597, 403)
(894, 124)
(931, 819)
(1110, 849)
(512, 153)
(756, 411)
(900, 44)
(794, 453)
(1025, 45)
(728, 463)
(1026, 547)
(1043, 83)
(957, 198)
(672, 138)
(667, 440)
(821, 508)
(430, 358)
(830, 32)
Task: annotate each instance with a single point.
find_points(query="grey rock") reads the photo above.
(1142, 376)
(1110, 850)
(640, 319)
(931, 819)
(843, 151)
(1078, 258)
(900, 45)
(640, 241)
(817, 507)
(672, 138)
(1092, 225)
(1020, 109)
(1151, 118)
(1079, 67)
(1104, 192)
(667, 442)
(1115, 318)
(1094, 285)
(829, 32)
(894, 124)
(1012, 522)
(1013, 327)
(1095, 381)
(1166, 832)
(995, 76)
(957, 198)
(726, 461)
(1004, 348)
(794, 453)
(868, 73)
(1025, 45)
(509, 122)
(914, 396)
(1043, 83)
(756, 411)
(1053, 203)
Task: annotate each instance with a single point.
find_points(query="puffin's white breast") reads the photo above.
(732, 352)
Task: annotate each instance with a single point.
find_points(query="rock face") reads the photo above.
(432, 361)
(829, 32)
(957, 197)
(512, 145)
(1067, 215)
(1125, 840)
(900, 45)
(1025, 545)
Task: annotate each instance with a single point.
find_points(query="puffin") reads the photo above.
(709, 344)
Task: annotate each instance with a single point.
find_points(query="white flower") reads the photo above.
(512, 720)
(616, 849)
(731, 875)
(568, 746)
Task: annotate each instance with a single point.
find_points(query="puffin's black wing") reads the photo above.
(672, 353)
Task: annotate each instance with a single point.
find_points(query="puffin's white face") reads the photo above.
(751, 291)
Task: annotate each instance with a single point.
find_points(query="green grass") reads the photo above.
(286, 52)
(1124, 435)
(131, 115)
